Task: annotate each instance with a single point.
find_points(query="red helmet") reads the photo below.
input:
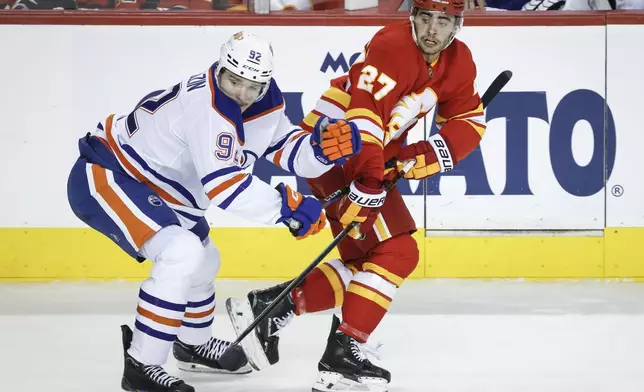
(450, 7)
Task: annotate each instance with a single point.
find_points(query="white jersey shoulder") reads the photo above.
(194, 147)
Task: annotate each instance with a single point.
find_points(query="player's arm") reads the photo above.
(377, 84)
(461, 121)
(312, 154)
(461, 118)
(234, 189)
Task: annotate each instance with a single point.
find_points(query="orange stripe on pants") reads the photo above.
(159, 319)
(200, 314)
(139, 231)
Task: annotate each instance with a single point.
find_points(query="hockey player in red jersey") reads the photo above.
(403, 72)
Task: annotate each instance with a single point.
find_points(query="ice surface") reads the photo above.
(440, 335)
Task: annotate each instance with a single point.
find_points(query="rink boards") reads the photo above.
(553, 191)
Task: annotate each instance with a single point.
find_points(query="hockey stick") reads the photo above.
(295, 282)
(294, 225)
(499, 82)
(497, 85)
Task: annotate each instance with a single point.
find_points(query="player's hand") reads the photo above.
(334, 141)
(426, 160)
(361, 204)
(302, 214)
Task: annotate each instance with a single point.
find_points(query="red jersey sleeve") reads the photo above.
(460, 111)
(377, 82)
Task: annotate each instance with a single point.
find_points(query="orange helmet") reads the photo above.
(450, 7)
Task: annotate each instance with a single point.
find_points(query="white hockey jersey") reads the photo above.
(193, 146)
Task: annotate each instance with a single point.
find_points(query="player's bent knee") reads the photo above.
(176, 252)
(409, 256)
(209, 266)
(394, 259)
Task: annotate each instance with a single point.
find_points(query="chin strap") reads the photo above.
(413, 26)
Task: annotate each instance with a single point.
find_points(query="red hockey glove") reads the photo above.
(360, 205)
(432, 156)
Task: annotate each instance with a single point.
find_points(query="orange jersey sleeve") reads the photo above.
(460, 111)
(385, 73)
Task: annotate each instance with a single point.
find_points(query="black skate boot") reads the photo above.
(212, 356)
(261, 347)
(345, 367)
(149, 378)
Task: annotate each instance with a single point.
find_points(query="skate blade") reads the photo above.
(197, 368)
(241, 316)
(331, 382)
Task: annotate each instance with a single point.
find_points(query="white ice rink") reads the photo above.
(440, 335)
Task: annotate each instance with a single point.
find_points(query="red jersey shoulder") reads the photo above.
(459, 57)
(456, 69)
(396, 42)
(394, 51)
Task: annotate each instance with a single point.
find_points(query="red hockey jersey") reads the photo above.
(390, 87)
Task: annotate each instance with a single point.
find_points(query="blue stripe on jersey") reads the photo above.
(291, 158)
(199, 304)
(219, 173)
(247, 162)
(178, 187)
(198, 325)
(227, 107)
(161, 303)
(272, 99)
(188, 216)
(224, 204)
(201, 229)
(154, 333)
(281, 143)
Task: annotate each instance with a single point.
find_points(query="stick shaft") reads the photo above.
(300, 278)
(499, 82)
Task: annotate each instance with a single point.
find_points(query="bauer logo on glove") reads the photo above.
(442, 153)
(334, 141)
(361, 200)
(361, 205)
(432, 156)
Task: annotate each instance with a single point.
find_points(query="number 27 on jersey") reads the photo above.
(369, 75)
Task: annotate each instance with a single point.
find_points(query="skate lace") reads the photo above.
(213, 348)
(158, 374)
(281, 322)
(364, 351)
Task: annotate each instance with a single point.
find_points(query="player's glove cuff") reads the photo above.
(432, 156)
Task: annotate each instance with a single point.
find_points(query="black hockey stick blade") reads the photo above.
(495, 88)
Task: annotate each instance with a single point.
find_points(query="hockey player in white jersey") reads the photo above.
(145, 179)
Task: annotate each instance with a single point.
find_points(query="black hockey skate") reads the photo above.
(345, 367)
(261, 347)
(212, 356)
(149, 378)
